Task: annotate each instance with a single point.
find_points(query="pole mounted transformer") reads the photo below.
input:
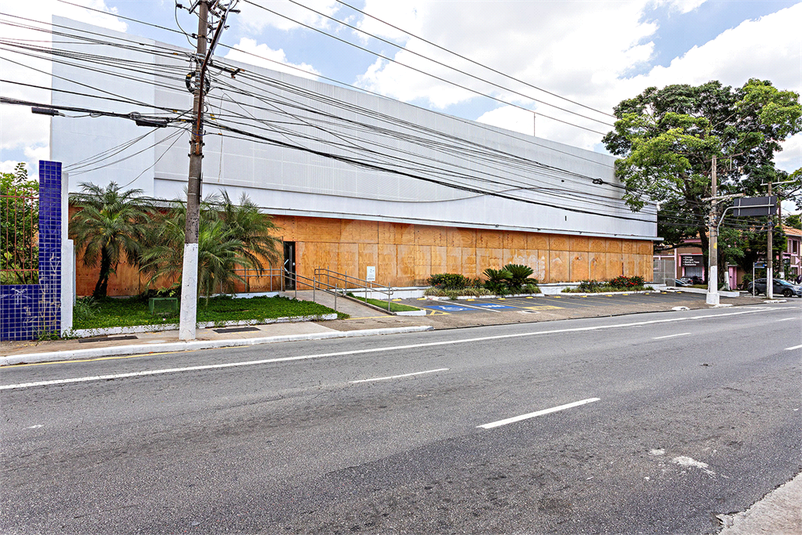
(198, 83)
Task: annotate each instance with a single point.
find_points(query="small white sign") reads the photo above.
(371, 273)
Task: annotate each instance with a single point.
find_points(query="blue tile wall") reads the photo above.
(28, 310)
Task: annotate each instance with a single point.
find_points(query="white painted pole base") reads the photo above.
(189, 293)
(712, 286)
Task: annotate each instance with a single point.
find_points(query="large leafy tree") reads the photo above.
(668, 138)
(108, 228)
(231, 236)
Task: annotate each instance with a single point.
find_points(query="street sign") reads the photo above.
(755, 206)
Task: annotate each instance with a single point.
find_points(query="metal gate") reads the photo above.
(665, 269)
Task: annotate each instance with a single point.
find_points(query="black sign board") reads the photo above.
(755, 206)
(691, 260)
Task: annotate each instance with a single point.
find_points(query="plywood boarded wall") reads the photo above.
(406, 255)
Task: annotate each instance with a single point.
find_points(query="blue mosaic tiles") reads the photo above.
(29, 310)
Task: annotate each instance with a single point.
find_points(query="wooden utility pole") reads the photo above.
(189, 278)
(712, 256)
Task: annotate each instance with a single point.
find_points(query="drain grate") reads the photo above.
(105, 338)
(236, 330)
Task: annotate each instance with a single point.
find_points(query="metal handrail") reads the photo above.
(354, 282)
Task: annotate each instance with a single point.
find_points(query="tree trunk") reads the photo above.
(101, 288)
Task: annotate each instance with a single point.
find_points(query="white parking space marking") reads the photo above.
(514, 419)
(670, 336)
(788, 319)
(398, 376)
(374, 350)
(792, 348)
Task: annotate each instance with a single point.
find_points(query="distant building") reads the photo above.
(356, 182)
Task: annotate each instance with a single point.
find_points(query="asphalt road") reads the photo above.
(672, 418)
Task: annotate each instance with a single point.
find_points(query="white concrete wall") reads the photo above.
(294, 182)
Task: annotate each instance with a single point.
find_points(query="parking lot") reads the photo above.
(620, 302)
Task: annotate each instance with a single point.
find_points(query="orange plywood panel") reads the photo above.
(354, 231)
(469, 263)
(630, 265)
(439, 260)
(403, 234)
(538, 261)
(559, 262)
(598, 266)
(286, 227)
(317, 229)
(646, 268)
(405, 262)
(385, 232)
(460, 237)
(427, 235)
(579, 243)
(422, 274)
(580, 266)
(538, 241)
(615, 265)
(488, 239)
(515, 256)
(422, 255)
(613, 246)
(514, 240)
(488, 258)
(597, 245)
(645, 248)
(454, 260)
(348, 259)
(386, 272)
(627, 246)
(558, 242)
(368, 256)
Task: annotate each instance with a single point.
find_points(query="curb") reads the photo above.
(31, 358)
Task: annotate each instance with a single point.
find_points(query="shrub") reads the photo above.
(589, 286)
(449, 281)
(518, 275)
(626, 283)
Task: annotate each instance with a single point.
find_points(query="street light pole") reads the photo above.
(770, 254)
(712, 268)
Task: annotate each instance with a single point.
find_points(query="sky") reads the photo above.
(581, 56)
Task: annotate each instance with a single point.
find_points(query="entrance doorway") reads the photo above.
(289, 265)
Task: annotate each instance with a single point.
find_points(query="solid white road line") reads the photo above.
(788, 319)
(373, 350)
(670, 336)
(538, 413)
(398, 376)
(792, 348)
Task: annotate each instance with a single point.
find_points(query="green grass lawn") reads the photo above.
(394, 307)
(93, 314)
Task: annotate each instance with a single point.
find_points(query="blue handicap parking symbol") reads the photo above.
(490, 305)
(451, 308)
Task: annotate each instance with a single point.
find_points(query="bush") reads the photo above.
(518, 275)
(449, 281)
(590, 286)
(626, 283)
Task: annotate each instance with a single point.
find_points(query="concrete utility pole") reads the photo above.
(189, 278)
(712, 264)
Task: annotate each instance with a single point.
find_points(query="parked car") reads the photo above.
(781, 287)
(684, 281)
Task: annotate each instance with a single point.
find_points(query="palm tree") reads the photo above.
(229, 237)
(108, 228)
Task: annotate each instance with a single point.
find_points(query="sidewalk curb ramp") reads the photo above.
(168, 347)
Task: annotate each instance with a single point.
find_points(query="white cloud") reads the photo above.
(790, 159)
(255, 19)
(683, 6)
(7, 166)
(261, 55)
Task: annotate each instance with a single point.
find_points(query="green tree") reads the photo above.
(108, 228)
(230, 237)
(667, 139)
(794, 221)
(19, 226)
